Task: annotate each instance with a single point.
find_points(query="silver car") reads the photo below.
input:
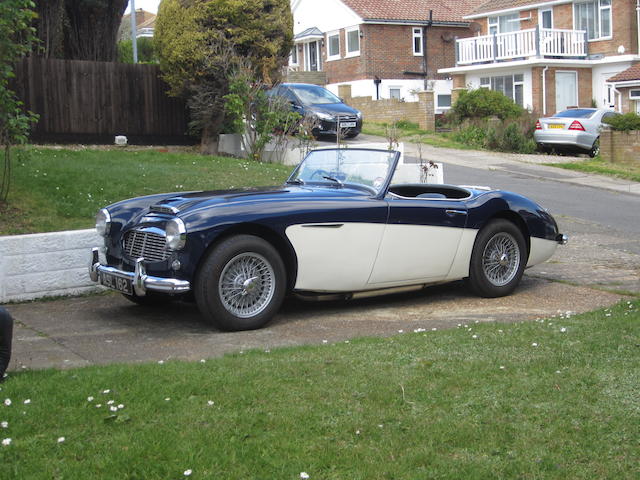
(572, 129)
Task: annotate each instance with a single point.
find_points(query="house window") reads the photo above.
(504, 23)
(293, 58)
(511, 86)
(546, 18)
(353, 41)
(444, 101)
(394, 92)
(417, 41)
(333, 50)
(594, 17)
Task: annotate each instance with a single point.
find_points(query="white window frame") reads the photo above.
(494, 22)
(514, 82)
(632, 96)
(294, 62)
(540, 16)
(330, 35)
(441, 107)
(599, 8)
(417, 35)
(355, 53)
(307, 56)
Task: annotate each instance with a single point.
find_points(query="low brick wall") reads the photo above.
(46, 264)
(391, 110)
(620, 146)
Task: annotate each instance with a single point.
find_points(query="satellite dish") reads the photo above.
(447, 37)
(475, 27)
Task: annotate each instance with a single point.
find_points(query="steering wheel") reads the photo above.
(320, 173)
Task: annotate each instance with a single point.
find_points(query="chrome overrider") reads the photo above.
(562, 239)
(140, 280)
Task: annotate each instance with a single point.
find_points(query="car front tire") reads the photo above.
(241, 283)
(498, 259)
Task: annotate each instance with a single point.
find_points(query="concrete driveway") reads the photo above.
(106, 328)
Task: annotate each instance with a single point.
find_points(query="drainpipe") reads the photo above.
(544, 90)
(424, 49)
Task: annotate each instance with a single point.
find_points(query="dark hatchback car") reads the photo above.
(327, 109)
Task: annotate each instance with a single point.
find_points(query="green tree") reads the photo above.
(146, 51)
(17, 37)
(201, 43)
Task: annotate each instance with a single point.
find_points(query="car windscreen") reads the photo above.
(335, 167)
(576, 113)
(312, 95)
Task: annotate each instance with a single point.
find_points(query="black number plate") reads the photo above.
(116, 283)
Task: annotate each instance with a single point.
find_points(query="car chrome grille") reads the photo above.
(148, 245)
(348, 118)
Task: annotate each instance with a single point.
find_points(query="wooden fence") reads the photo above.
(87, 102)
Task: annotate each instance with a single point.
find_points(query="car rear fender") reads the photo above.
(519, 222)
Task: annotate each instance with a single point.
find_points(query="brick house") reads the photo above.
(550, 54)
(381, 48)
(627, 88)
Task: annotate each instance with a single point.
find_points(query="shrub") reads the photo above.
(145, 47)
(485, 103)
(624, 123)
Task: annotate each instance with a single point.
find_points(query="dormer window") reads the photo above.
(594, 17)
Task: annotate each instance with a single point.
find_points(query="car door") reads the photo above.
(420, 240)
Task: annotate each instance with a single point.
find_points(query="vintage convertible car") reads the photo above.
(338, 225)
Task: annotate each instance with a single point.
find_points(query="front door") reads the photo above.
(313, 56)
(566, 90)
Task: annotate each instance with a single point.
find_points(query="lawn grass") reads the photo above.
(57, 189)
(628, 171)
(547, 399)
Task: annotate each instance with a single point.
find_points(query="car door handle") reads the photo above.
(453, 213)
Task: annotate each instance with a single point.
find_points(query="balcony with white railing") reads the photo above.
(523, 44)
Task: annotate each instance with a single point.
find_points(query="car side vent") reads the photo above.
(148, 245)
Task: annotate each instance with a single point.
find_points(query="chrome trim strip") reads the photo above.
(324, 225)
(140, 280)
(452, 212)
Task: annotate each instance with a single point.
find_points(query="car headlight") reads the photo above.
(359, 114)
(324, 116)
(103, 222)
(176, 234)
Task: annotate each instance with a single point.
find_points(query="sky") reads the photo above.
(148, 5)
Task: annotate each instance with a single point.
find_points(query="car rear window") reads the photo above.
(576, 113)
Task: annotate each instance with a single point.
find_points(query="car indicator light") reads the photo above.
(576, 125)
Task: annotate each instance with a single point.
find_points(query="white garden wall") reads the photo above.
(46, 264)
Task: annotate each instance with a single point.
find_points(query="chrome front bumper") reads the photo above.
(140, 280)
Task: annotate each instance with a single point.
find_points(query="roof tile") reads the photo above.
(413, 10)
(630, 74)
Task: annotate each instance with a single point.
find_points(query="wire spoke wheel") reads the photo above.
(501, 259)
(246, 285)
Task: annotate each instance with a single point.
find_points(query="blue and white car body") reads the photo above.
(338, 225)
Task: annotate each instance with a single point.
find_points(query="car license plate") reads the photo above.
(556, 125)
(347, 124)
(114, 282)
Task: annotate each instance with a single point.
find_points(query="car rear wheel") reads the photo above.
(595, 149)
(241, 283)
(498, 259)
